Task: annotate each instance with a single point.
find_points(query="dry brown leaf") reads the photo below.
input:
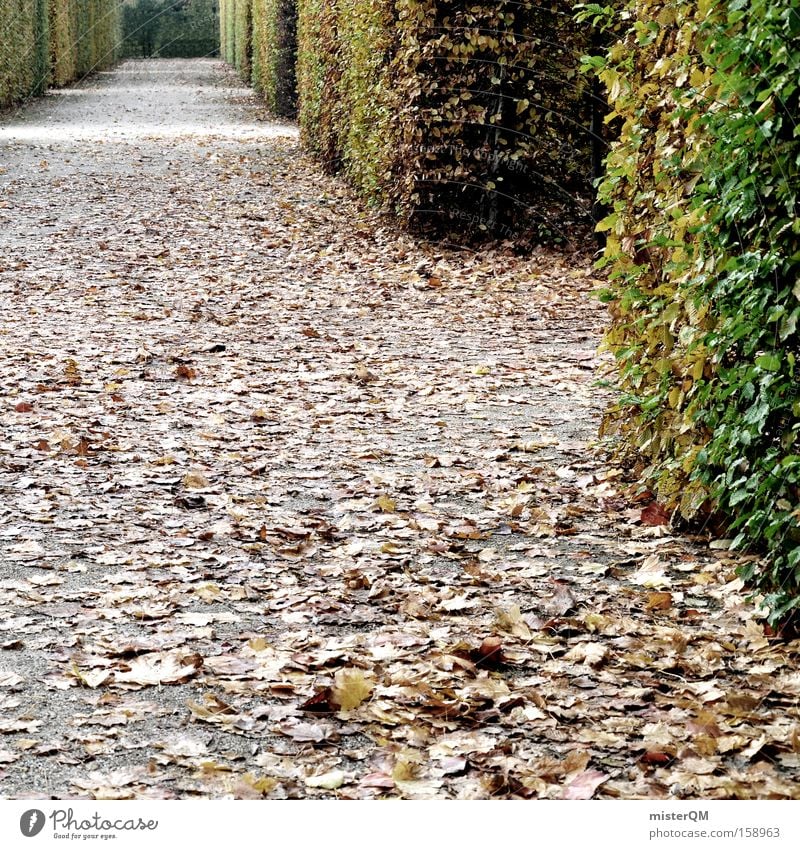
(156, 668)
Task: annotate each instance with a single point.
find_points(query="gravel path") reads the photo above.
(292, 505)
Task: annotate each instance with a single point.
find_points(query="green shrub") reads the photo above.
(704, 254)
(275, 54)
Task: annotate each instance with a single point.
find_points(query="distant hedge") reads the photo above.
(274, 44)
(704, 259)
(169, 28)
(53, 41)
(63, 55)
(459, 117)
(96, 33)
(236, 35)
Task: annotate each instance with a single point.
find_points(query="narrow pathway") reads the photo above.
(292, 505)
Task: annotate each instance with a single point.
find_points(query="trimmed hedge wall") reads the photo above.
(704, 258)
(96, 33)
(236, 35)
(63, 28)
(275, 54)
(24, 48)
(53, 41)
(459, 118)
(473, 120)
(348, 110)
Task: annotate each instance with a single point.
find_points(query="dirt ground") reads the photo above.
(293, 505)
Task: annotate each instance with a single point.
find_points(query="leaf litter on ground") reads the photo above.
(280, 522)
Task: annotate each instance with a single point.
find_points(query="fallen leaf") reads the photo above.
(327, 781)
(584, 784)
(654, 514)
(184, 372)
(157, 668)
(306, 732)
(385, 504)
(561, 600)
(195, 480)
(511, 622)
(659, 601)
(652, 573)
(351, 687)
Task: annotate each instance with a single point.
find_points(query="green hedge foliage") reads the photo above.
(348, 109)
(63, 55)
(467, 117)
(24, 48)
(275, 54)
(96, 33)
(53, 41)
(236, 34)
(704, 253)
(169, 28)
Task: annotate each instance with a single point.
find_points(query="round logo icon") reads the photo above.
(32, 822)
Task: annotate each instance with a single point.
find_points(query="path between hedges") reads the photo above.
(295, 506)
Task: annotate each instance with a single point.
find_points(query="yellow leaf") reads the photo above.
(405, 769)
(511, 622)
(351, 687)
(385, 504)
(195, 480)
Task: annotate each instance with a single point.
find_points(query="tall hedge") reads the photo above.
(53, 41)
(458, 116)
(236, 34)
(275, 54)
(96, 33)
(704, 253)
(24, 48)
(348, 106)
(63, 58)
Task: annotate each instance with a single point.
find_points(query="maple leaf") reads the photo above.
(351, 687)
(511, 621)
